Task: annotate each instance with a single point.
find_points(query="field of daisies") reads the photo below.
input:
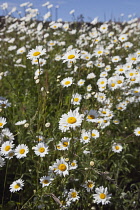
(69, 114)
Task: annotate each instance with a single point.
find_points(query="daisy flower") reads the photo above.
(137, 131)
(73, 165)
(71, 120)
(89, 185)
(91, 76)
(45, 181)
(2, 121)
(103, 28)
(65, 143)
(116, 59)
(41, 149)
(67, 82)
(71, 56)
(117, 148)
(73, 195)
(85, 136)
(60, 167)
(95, 134)
(10, 154)
(81, 82)
(6, 134)
(76, 99)
(36, 53)
(101, 195)
(17, 185)
(92, 115)
(21, 151)
(6, 147)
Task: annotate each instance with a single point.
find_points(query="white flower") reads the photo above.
(60, 167)
(137, 131)
(41, 149)
(45, 180)
(81, 82)
(101, 195)
(85, 136)
(91, 76)
(95, 134)
(117, 148)
(71, 56)
(76, 99)
(36, 53)
(89, 185)
(17, 185)
(92, 115)
(21, 151)
(6, 147)
(73, 165)
(67, 82)
(73, 195)
(2, 122)
(70, 120)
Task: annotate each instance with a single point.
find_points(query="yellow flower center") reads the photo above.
(41, 149)
(86, 57)
(99, 52)
(22, 151)
(73, 164)
(133, 59)
(76, 99)
(67, 82)
(103, 112)
(117, 147)
(85, 137)
(73, 194)
(71, 120)
(45, 181)
(131, 74)
(90, 116)
(138, 132)
(119, 81)
(71, 56)
(121, 69)
(93, 134)
(65, 143)
(1, 124)
(7, 148)
(62, 167)
(102, 196)
(113, 84)
(17, 186)
(36, 53)
(102, 82)
(90, 184)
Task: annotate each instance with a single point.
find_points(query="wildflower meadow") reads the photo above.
(69, 113)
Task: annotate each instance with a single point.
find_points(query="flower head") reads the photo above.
(101, 195)
(21, 151)
(17, 185)
(36, 53)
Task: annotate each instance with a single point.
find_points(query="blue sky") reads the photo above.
(104, 9)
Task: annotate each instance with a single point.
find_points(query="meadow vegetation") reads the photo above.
(69, 114)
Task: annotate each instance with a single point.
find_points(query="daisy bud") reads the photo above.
(37, 81)
(26, 125)
(47, 125)
(92, 163)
